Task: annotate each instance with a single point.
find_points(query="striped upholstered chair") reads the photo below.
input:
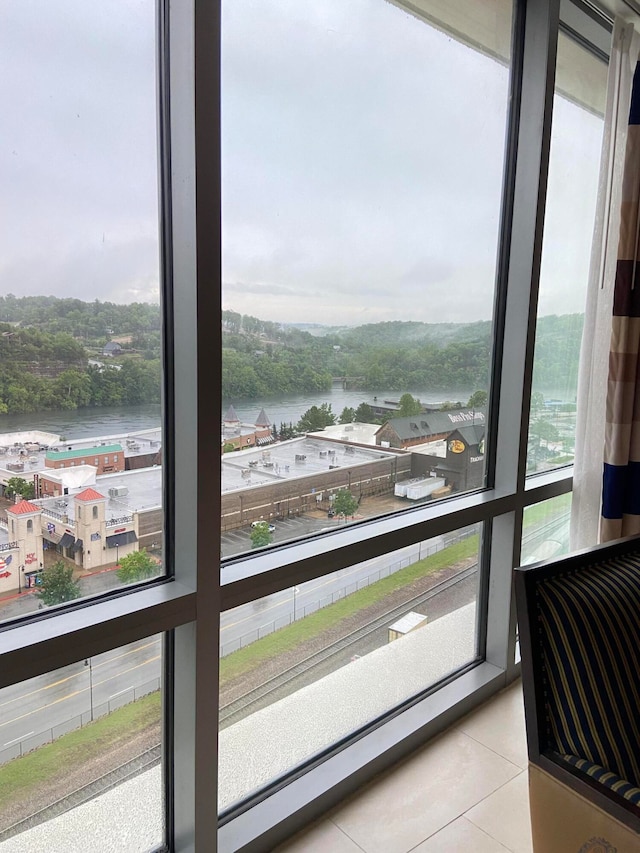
(579, 620)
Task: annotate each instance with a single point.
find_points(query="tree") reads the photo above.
(260, 536)
(136, 567)
(344, 503)
(347, 416)
(57, 584)
(19, 486)
(316, 418)
(364, 414)
(537, 401)
(544, 431)
(409, 406)
(478, 400)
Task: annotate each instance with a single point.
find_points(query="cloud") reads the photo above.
(362, 163)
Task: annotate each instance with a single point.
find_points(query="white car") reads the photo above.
(270, 527)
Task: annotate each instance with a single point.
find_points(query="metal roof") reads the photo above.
(86, 453)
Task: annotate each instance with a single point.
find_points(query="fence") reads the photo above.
(33, 741)
(299, 611)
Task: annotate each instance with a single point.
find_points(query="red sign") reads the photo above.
(31, 558)
(120, 530)
(5, 574)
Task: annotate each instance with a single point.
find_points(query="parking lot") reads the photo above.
(238, 541)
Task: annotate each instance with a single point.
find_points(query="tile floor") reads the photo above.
(465, 790)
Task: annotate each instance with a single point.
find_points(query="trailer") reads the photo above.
(425, 488)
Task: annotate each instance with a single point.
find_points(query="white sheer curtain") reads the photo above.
(594, 354)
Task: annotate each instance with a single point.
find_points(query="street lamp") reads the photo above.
(20, 571)
(87, 662)
(117, 549)
(295, 590)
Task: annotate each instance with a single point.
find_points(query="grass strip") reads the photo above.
(76, 748)
(547, 511)
(285, 639)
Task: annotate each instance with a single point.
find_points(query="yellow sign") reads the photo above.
(457, 446)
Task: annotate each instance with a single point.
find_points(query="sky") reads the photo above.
(362, 163)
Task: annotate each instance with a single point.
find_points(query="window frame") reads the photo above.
(186, 606)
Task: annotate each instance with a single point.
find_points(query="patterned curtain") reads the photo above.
(621, 481)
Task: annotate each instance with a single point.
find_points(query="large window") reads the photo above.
(81, 441)
(362, 184)
(363, 155)
(576, 141)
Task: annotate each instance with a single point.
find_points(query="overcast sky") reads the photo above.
(362, 163)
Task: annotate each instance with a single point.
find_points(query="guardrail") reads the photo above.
(124, 519)
(51, 513)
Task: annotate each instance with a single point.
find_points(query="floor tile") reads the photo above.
(459, 836)
(322, 837)
(499, 725)
(423, 794)
(504, 815)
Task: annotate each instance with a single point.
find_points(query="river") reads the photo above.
(94, 422)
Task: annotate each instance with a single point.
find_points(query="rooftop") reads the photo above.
(286, 460)
(29, 448)
(143, 492)
(23, 508)
(54, 454)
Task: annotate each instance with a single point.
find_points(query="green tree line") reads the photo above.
(43, 360)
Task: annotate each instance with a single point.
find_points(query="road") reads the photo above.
(51, 700)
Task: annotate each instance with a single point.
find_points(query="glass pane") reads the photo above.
(576, 140)
(362, 170)
(317, 662)
(80, 371)
(80, 755)
(545, 532)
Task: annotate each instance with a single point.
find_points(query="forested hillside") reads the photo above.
(45, 352)
(92, 322)
(263, 357)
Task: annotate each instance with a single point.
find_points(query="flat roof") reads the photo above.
(54, 454)
(18, 447)
(144, 493)
(318, 715)
(287, 460)
(359, 433)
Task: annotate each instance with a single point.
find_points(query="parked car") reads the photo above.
(270, 527)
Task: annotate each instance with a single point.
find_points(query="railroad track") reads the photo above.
(142, 762)
(238, 708)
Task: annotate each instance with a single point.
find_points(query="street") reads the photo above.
(106, 681)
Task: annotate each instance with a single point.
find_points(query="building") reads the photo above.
(88, 528)
(238, 436)
(107, 459)
(426, 427)
(112, 348)
(463, 463)
(188, 606)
